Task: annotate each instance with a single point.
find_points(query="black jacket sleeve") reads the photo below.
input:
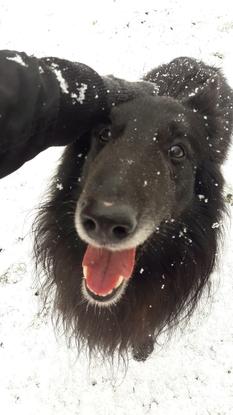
(51, 102)
(44, 102)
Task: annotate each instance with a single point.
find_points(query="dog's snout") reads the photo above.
(107, 222)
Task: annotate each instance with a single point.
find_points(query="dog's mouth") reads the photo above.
(105, 272)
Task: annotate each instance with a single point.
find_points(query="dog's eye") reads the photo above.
(104, 135)
(176, 152)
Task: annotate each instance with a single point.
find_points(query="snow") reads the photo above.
(81, 91)
(18, 59)
(59, 186)
(60, 78)
(193, 372)
(215, 225)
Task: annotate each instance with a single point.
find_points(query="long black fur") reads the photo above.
(174, 265)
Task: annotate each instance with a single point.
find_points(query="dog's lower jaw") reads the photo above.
(104, 302)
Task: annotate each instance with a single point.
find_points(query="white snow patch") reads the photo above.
(130, 162)
(59, 186)
(17, 58)
(215, 225)
(81, 93)
(63, 84)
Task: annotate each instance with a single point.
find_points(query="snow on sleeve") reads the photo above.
(80, 97)
(59, 76)
(41, 70)
(17, 58)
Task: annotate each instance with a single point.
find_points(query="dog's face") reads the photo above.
(139, 172)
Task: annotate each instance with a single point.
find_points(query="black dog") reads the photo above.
(129, 235)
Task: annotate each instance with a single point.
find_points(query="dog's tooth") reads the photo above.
(85, 271)
(121, 278)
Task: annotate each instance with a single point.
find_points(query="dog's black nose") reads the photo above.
(107, 222)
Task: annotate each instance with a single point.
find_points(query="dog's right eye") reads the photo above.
(176, 152)
(104, 135)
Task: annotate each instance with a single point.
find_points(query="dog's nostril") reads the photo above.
(107, 222)
(120, 232)
(89, 225)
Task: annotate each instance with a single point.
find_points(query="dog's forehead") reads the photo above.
(148, 112)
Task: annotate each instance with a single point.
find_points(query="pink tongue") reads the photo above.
(104, 268)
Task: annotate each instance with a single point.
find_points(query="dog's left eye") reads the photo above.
(176, 152)
(104, 135)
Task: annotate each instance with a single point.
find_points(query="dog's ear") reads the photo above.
(205, 98)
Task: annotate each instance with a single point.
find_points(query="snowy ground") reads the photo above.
(193, 374)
